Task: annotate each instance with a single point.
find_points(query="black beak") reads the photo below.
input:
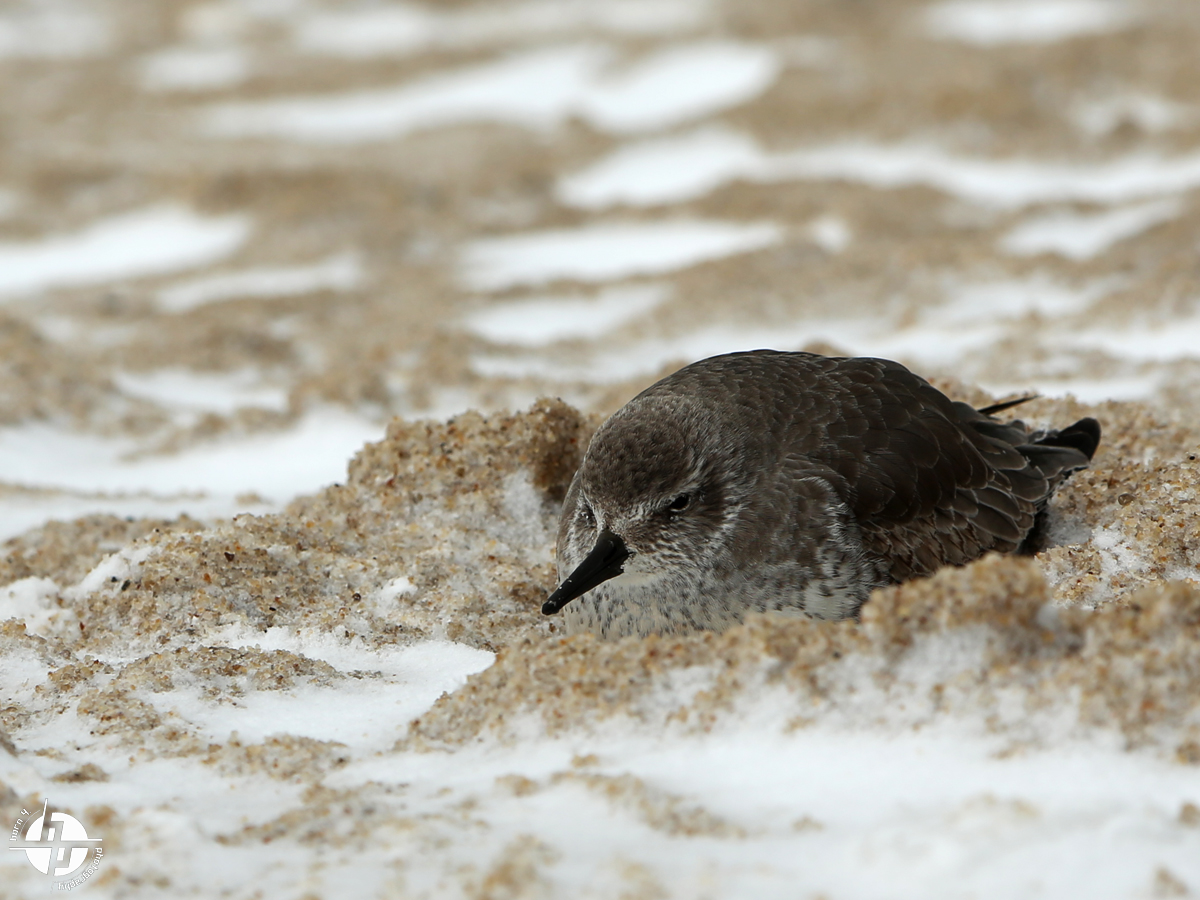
(604, 562)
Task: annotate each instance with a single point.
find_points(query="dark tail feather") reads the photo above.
(1007, 404)
(1056, 454)
(1083, 436)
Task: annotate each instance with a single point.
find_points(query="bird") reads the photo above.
(793, 482)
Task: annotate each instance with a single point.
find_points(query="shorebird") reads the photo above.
(793, 482)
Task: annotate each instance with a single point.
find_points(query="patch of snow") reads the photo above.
(680, 84)
(1144, 339)
(194, 68)
(384, 600)
(1011, 299)
(989, 23)
(112, 571)
(150, 241)
(339, 272)
(536, 89)
(608, 251)
(663, 170)
(31, 601)
(279, 466)
(1084, 236)
(672, 170)
(1086, 390)
(830, 233)
(539, 321)
(367, 712)
(224, 392)
(401, 28)
(52, 29)
(10, 202)
(21, 511)
(1149, 113)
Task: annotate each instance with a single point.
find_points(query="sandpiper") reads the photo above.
(794, 482)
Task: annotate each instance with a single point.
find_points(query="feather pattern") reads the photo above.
(807, 481)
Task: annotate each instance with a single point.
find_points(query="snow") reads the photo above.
(1104, 115)
(338, 272)
(538, 321)
(1014, 298)
(930, 344)
(366, 714)
(988, 23)
(830, 233)
(52, 29)
(216, 392)
(684, 167)
(22, 511)
(1080, 237)
(537, 89)
(1145, 339)
(10, 202)
(663, 170)
(29, 600)
(194, 68)
(402, 28)
(604, 252)
(150, 241)
(971, 318)
(278, 465)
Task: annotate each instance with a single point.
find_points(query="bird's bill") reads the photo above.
(607, 560)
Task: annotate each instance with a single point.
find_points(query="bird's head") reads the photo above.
(654, 498)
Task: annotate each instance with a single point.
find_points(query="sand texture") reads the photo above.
(308, 311)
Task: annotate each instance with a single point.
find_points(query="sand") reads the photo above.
(263, 656)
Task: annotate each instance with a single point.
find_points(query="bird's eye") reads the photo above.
(588, 516)
(680, 503)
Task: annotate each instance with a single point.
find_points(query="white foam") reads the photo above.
(536, 89)
(403, 28)
(682, 168)
(339, 272)
(1083, 236)
(990, 23)
(194, 68)
(607, 251)
(540, 321)
(53, 29)
(216, 392)
(151, 241)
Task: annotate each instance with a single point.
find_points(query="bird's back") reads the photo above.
(929, 481)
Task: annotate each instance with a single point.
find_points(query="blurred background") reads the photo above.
(237, 236)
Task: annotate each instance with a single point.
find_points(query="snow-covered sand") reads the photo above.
(267, 640)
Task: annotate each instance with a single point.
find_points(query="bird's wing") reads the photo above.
(930, 482)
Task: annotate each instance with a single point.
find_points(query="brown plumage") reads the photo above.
(771, 480)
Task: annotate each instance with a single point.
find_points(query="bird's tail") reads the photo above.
(1056, 454)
